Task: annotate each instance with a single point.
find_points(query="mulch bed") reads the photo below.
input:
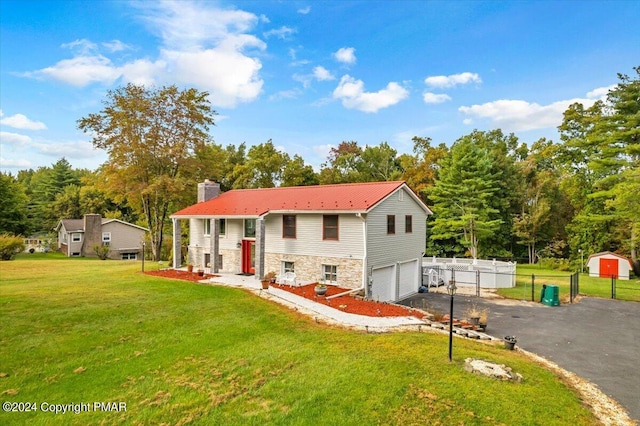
(180, 275)
(351, 304)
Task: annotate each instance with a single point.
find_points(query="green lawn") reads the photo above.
(85, 331)
(589, 286)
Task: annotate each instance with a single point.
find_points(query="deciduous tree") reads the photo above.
(151, 137)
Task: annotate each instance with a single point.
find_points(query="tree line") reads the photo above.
(492, 195)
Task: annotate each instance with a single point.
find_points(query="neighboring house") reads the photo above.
(78, 237)
(607, 264)
(361, 235)
(36, 243)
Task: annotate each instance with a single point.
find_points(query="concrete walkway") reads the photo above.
(319, 311)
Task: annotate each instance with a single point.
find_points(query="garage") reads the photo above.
(408, 281)
(383, 284)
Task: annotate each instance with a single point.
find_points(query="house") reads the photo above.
(36, 243)
(78, 237)
(607, 264)
(359, 235)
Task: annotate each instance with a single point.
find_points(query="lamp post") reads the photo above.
(581, 261)
(143, 244)
(451, 289)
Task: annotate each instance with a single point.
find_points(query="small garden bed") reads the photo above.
(180, 275)
(352, 304)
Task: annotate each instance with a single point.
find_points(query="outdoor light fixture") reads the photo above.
(239, 244)
(451, 289)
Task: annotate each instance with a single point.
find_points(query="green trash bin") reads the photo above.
(551, 295)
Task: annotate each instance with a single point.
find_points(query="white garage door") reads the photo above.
(383, 286)
(408, 280)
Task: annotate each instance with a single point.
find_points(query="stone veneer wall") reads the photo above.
(309, 268)
(230, 259)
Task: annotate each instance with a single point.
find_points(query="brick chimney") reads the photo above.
(92, 234)
(208, 190)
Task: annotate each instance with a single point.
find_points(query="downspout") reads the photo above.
(364, 263)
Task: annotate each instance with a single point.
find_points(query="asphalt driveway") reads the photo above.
(597, 339)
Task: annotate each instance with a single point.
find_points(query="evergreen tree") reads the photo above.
(462, 197)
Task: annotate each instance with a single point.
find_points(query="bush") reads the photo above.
(102, 251)
(10, 245)
(555, 263)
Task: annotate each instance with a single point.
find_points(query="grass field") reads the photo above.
(589, 286)
(85, 331)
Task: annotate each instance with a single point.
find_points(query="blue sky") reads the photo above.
(309, 74)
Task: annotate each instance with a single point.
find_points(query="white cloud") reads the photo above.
(282, 33)
(345, 55)
(447, 81)
(304, 10)
(600, 92)
(20, 121)
(79, 149)
(435, 98)
(15, 139)
(322, 74)
(518, 115)
(286, 94)
(322, 151)
(14, 164)
(116, 46)
(188, 25)
(82, 46)
(319, 73)
(142, 71)
(353, 96)
(80, 71)
(226, 74)
(202, 45)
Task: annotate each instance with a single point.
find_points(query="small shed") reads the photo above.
(607, 264)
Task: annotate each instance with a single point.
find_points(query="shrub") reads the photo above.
(555, 263)
(10, 245)
(102, 251)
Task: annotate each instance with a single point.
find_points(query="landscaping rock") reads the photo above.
(489, 369)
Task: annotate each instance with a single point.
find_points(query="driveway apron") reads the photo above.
(597, 339)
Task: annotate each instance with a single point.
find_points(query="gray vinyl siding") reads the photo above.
(384, 249)
(309, 240)
(123, 236)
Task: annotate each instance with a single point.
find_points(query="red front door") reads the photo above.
(608, 268)
(248, 256)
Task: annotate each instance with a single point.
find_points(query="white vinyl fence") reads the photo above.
(481, 273)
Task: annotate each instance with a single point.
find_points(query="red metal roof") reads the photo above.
(357, 197)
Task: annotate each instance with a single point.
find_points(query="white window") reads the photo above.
(223, 226)
(76, 237)
(106, 237)
(288, 267)
(129, 256)
(330, 273)
(207, 227)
